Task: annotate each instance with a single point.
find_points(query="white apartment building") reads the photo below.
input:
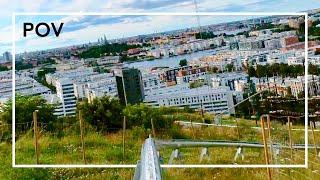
(296, 85)
(101, 88)
(26, 86)
(151, 81)
(104, 83)
(213, 100)
(65, 91)
(314, 60)
(73, 74)
(228, 79)
(295, 61)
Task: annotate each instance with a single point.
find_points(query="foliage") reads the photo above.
(98, 51)
(205, 35)
(313, 30)
(282, 28)
(282, 69)
(196, 84)
(264, 26)
(183, 62)
(41, 77)
(313, 69)
(103, 113)
(22, 65)
(47, 61)
(24, 108)
(141, 115)
(230, 67)
(4, 68)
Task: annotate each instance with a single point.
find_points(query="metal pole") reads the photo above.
(36, 136)
(82, 138)
(266, 156)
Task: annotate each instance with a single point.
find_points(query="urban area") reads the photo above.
(228, 93)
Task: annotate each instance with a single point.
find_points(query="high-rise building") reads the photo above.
(65, 91)
(7, 56)
(129, 85)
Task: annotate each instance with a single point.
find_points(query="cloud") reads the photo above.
(79, 24)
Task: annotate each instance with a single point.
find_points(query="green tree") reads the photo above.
(141, 115)
(104, 113)
(24, 107)
(183, 62)
(229, 67)
(261, 71)
(252, 72)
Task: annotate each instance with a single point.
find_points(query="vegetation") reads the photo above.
(196, 84)
(102, 113)
(276, 69)
(24, 107)
(115, 48)
(183, 62)
(230, 67)
(63, 145)
(313, 69)
(282, 28)
(22, 65)
(3, 68)
(313, 30)
(205, 35)
(264, 26)
(47, 61)
(41, 77)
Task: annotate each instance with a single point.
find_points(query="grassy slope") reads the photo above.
(107, 149)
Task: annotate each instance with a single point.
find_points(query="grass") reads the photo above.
(107, 149)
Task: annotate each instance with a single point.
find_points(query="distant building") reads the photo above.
(7, 57)
(108, 60)
(213, 100)
(129, 85)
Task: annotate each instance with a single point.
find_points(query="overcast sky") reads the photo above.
(81, 29)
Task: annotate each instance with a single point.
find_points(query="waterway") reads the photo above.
(169, 61)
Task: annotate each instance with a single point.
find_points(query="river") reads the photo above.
(169, 61)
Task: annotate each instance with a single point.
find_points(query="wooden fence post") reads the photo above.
(123, 138)
(82, 138)
(269, 136)
(266, 156)
(312, 125)
(36, 135)
(290, 137)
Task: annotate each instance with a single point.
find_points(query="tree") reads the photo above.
(141, 115)
(261, 71)
(104, 113)
(24, 107)
(313, 69)
(229, 67)
(213, 69)
(183, 62)
(252, 72)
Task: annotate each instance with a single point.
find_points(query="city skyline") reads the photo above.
(157, 6)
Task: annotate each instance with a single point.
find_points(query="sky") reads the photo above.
(82, 29)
